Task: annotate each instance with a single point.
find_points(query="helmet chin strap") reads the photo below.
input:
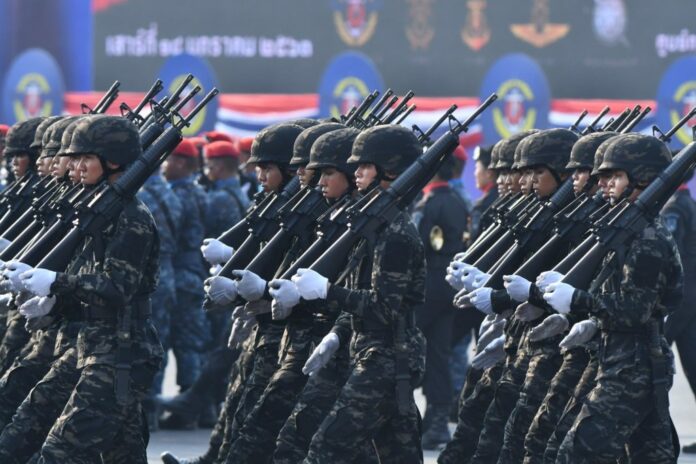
(107, 171)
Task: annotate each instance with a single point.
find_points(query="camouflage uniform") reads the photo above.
(630, 304)
(15, 338)
(190, 330)
(167, 211)
(117, 274)
(368, 406)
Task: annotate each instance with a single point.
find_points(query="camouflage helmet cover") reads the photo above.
(274, 144)
(333, 150)
(582, 155)
(642, 157)
(390, 147)
(506, 149)
(20, 137)
(549, 148)
(41, 131)
(113, 138)
(303, 143)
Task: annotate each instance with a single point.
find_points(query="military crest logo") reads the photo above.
(676, 97)
(356, 20)
(476, 33)
(539, 32)
(419, 31)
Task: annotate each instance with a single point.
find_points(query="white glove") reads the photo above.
(37, 306)
(311, 284)
(221, 290)
(517, 287)
(12, 271)
(486, 323)
(4, 243)
(480, 280)
(459, 256)
(546, 278)
(454, 281)
(215, 270)
(468, 276)
(254, 308)
(491, 355)
(38, 281)
(494, 331)
(580, 334)
(5, 299)
(285, 297)
(528, 312)
(550, 327)
(321, 354)
(216, 252)
(559, 295)
(481, 299)
(241, 327)
(249, 286)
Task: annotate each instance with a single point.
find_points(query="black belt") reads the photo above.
(141, 310)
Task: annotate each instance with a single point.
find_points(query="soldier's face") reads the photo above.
(580, 178)
(269, 176)
(543, 182)
(43, 166)
(501, 180)
(20, 164)
(603, 183)
(90, 169)
(174, 167)
(618, 182)
(525, 182)
(484, 177)
(512, 182)
(305, 175)
(365, 174)
(73, 173)
(333, 183)
(59, 166)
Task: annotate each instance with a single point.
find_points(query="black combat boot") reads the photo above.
(169, 458)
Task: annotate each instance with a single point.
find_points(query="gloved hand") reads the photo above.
(486, 323)
(285, 297)
(546, 278)
(481, 299)
(461, 299)
(5, 299)
(494, 331)
(517, 287)
(459, 256)
(37, 306)
(249, 286)
(550, 327)
(580, 334)
(216, 252)
(468, 275)
(221, 290)
(241, 327)
(12, 271)
(254, 308)
(491, 355)
(38, 281)
(311, 284)
(215, 270)
(480, 280)
(455, 281)
(4, 243)
(321, 354)
(559, 295)
(528, 312)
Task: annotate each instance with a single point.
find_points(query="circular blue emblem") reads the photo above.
(524, 97)
(174, 71)
(676, 96)
(347, 80)
(33, 87)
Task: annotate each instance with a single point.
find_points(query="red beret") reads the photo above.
(216, 136)
(198, 141)
(460, 153)
(244, 144)
(221, 150)
(186, 148)
(3, 131)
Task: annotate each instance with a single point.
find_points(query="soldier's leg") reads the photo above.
(93, 418)
(255, 442)
(23, 436)
(190, 336)
(618, 405)
(560, 391)
(653, 440)
(397, 442)
(129, 444)
(472, 410)
(542, 368)
(16, 337)
(504, 400)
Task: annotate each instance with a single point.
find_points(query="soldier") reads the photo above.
(485, 177)
(459, 158)
(443, 218)
(166, 209)
(4, 172)
(629, 405)
(225, 196)
(250, 185)
(190, 330)
(379, 302)
(113, 284)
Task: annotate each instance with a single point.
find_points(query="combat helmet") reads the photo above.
(391, 148)
(332, 150)
(274, 144)
(506, 149)
(20, 137)
(582, 155)
(642, 157)
(549, 148)
(113, 138)
(41, 130)
(484, 155)
(303, 143)
(51, 143)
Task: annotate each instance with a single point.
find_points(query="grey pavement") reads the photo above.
(192, 443)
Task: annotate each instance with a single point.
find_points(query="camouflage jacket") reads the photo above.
(115, 271)
(188, 262)
(226, 205)
(166, 209)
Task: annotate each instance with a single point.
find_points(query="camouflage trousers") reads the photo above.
(16, 336)
(545, 359)
(571, 410)
(257, 437)
(366, 410)
(620, 411)
(189, 336)
(473, 404)
(94, 426)
(506, 394)
(23, 436)
(559, 392)
(264, 363)
(28, 368)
